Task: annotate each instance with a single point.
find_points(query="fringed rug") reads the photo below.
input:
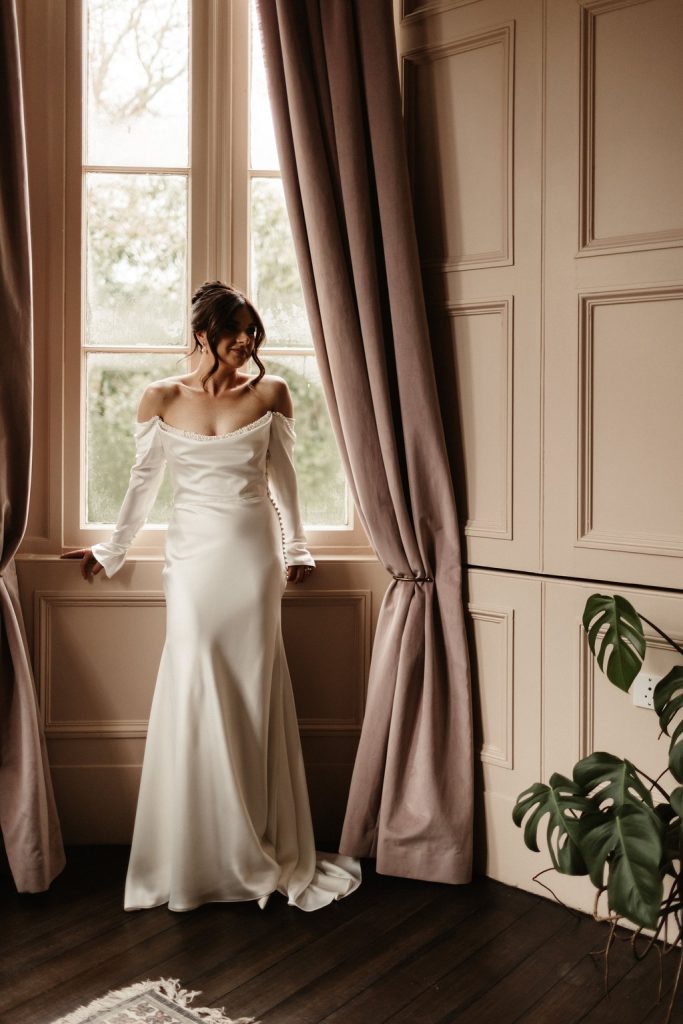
(149, 1002)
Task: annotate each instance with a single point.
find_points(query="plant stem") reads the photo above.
(654, 783)
(661, 632)
(675, 988)
(553, 894)
(610, 940)
(652, 940)
(660, 983)
(598, 894)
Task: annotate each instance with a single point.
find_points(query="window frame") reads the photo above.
(219, 194)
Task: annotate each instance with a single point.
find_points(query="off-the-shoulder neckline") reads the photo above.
(171, 429)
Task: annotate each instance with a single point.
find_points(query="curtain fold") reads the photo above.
(332, 77)
(28, 816)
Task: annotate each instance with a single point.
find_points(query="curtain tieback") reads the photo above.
(413, 579)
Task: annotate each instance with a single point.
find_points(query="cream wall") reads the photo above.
(547, 162)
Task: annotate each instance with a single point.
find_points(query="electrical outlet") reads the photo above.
(642, 689)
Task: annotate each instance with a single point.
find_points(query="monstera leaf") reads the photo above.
(635, 886)
(668, 699)
(624, 834)
(621, 650)
(562, 801)
(613, 780)
(673, 836)
(629, 842)
(671, 820)
(677, 804)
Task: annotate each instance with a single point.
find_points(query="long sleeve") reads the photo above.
(282, 477)
(145, 479)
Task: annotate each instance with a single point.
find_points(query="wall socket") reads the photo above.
(642, 689)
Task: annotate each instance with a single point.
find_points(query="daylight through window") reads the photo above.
(136, 189)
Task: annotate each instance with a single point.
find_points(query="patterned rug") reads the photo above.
(149, 1002)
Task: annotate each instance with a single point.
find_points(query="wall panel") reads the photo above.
(613, 283)
(472, 105)
(504, 627)
(477, 338)
(89, 681)
(460, 147)
(632, 89)
(630, 372)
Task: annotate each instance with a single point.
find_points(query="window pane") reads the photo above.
(322, 487)
(137, 92)
(115, 385)
(263, 151)
(136, 255)
(275, 286)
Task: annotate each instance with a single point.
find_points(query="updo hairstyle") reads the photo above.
(214, 305)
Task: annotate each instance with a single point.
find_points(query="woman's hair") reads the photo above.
(214, 305)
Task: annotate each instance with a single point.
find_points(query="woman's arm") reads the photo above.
(282, 398)
(153, 400)
(282, 478)
(143, 486)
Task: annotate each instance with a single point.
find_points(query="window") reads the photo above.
(176, 180)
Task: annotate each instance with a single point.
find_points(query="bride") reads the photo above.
(223, 809)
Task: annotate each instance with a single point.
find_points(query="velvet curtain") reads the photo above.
(28, 818)
(332, 76)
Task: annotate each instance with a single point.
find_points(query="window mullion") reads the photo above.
(253, 173)
(169, 350)
(114, 169)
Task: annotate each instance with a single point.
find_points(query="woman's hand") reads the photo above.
(298, 573)
(89, 564)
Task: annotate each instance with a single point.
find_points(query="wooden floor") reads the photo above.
(395, 950)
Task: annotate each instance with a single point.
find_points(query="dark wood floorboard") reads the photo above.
(637, 993)
(536, 973)
(394, 990)
(397, 950)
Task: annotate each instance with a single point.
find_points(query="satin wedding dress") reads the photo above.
(223, 810)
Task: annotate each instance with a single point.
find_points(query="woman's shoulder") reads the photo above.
(155, 396)
(275, 393)
(271, 382)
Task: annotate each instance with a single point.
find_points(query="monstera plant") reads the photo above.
(610, 820)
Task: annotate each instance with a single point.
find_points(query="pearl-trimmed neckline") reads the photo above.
(171, 429)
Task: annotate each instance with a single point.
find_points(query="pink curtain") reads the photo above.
(333, 82)
(28, 817)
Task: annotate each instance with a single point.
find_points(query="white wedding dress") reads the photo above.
(223, 810)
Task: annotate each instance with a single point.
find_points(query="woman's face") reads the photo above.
(236, 345)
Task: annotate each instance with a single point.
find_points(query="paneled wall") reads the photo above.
(547, 168)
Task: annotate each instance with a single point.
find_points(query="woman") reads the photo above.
(223, 811)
